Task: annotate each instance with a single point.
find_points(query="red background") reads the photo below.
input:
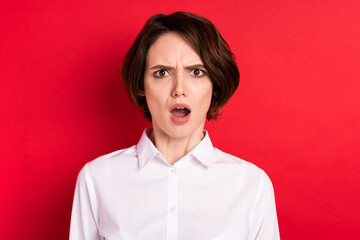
(296, 113)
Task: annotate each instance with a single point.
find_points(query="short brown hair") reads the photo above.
(205, 39)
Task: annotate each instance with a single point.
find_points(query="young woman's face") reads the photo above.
(177, 88)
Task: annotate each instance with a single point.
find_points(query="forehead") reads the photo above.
(171, 48)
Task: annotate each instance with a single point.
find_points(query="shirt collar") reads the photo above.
(145, 148)
(203, 152)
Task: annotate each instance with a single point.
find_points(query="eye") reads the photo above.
(197, 72)
(161, 73)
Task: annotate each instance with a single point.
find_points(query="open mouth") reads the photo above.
(180, 112)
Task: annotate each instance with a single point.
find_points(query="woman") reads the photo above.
(174, 184)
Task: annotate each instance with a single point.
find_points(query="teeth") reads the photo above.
(180, 108)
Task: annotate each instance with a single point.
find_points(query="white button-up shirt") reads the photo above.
(135, 193)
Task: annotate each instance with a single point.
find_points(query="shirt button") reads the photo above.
(172, 209)
(173, 170)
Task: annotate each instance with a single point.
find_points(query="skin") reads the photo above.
(174, 73)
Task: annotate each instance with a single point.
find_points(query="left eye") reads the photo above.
(161, 73)
(197, 72)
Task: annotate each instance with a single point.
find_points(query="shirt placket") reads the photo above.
(172, 204)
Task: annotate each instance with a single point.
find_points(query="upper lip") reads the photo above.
(180, 105)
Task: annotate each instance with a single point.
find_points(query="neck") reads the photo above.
(173, 149)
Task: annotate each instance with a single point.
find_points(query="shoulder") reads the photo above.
(226, 158)
(243, 169)
(112, 162)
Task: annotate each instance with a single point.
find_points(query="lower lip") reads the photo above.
(180, 120)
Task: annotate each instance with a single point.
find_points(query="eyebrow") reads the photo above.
(195, 66)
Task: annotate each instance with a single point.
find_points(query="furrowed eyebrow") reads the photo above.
(162, 67)
(195, 66)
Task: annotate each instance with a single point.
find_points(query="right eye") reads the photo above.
(161, 73)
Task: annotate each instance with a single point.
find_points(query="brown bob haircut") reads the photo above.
(206, 41)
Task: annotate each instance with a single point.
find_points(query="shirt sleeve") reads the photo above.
(84, 224)
(264, 224)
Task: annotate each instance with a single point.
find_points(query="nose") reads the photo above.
(179, 88)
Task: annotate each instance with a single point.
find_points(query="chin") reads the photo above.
(181, 131)
(173, 130)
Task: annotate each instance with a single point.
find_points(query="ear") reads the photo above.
(141, 93)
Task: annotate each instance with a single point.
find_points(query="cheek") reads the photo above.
(154, 100)
(205, 100)
(150, 93)
(151, 100)
(208, 95)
